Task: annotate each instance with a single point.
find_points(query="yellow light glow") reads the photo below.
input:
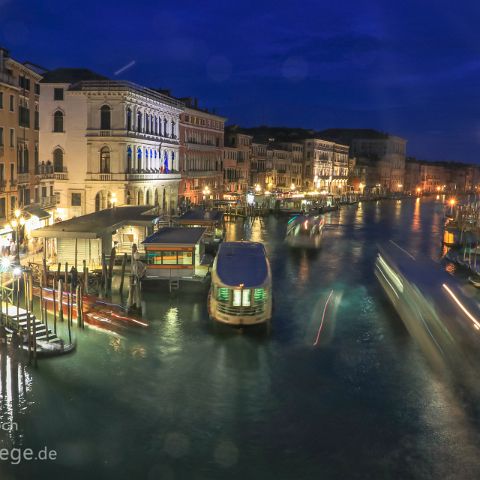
(14, 223)
(452, 202)
(17, 213)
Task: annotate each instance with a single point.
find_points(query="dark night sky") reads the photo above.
(411, 67)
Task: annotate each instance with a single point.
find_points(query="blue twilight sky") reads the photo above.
(409, 67)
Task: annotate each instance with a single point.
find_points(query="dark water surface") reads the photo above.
(190, 401)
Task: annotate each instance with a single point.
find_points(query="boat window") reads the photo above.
(241, 298)
(259, 295)
(169, 257)
(246, 297)
(154, 258)
(222, 294)
(237, 298)
(185, 258)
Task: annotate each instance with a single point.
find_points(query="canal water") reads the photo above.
(187, 400)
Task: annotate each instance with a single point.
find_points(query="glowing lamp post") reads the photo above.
(452, 203)
(206, 193)
(16, 223)
(258, 188)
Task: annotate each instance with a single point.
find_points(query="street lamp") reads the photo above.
(258, 188)
(16, 223)
(452, 203)
(206, 192)
(292, 186)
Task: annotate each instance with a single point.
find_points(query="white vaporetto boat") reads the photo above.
(241, 290)
(305, 231)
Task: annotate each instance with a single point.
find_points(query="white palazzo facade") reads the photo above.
(109, 142)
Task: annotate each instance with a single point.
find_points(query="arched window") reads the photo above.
(165, 163)
(58, 121)
(173, 129)
(147, 126)
(139, 121)
(105, 160)
(25, 160)
(129, 160)
(35, 159)
(139, 159)
(58, 160)
(156, 126)
(164, 127)
(129, 119)
(105, 118)
(147, 201)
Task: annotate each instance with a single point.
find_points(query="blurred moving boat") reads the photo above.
(433, 307)
(305, 231)
(241, 289)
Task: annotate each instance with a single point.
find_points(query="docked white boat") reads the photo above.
(241, 290)
(305, 231)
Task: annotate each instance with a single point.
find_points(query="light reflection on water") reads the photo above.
(189, 400)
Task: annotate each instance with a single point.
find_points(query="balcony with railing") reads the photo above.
(123, 132)
(48, 202)
(3, 184)
(23, 177)
(60, 174)
(142, 176)
(44, 171)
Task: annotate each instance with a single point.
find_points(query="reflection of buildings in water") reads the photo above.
(303, 269)
(171, 326)
(398, 209)
(416, 220)
(15, 383)
(256, 234)
(359, 215)
(376, 215)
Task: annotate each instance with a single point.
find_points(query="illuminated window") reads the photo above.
(259, 294)
(237, 298)
(222, 294)
(58, 121)
(185, 258)
(246, 297)
(169, 257)
(105, 118)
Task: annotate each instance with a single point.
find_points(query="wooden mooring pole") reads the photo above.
(124, 264)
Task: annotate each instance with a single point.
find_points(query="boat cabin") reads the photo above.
(212, 220)
(176, 253)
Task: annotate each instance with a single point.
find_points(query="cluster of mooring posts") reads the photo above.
(20, 327)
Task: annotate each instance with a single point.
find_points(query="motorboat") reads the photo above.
(305, 231)
(241, 288)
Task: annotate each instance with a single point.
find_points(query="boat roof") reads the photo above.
(96, 224)
(201, 215)
(176, 235)
(242, 263)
